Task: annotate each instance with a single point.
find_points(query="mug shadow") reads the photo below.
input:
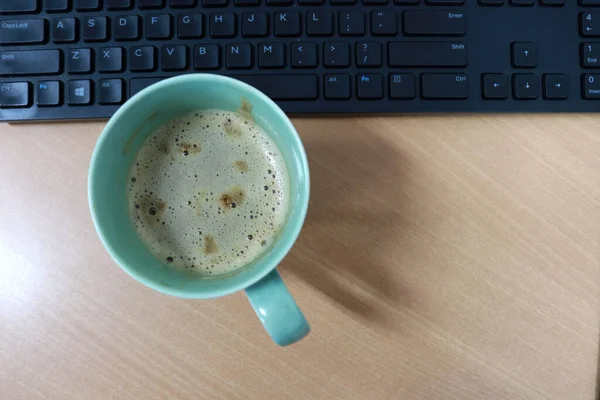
(347, 248)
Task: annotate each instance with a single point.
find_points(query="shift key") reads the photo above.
(23, 31)
(30, 62)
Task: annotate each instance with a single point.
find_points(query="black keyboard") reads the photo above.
(82, 59)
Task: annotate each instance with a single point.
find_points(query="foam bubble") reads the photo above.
(198, 196)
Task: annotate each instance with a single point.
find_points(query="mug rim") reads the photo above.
(283, 244)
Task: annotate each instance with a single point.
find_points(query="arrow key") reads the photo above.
(556, 86)
(523, 55)
(494, 86)
(526, 86)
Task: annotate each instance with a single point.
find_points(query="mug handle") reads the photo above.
(277, 310)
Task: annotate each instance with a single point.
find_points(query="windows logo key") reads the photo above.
(79, 92)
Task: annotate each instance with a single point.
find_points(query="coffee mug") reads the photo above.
(113, 155)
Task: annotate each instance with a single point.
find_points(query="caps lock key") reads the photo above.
(23, 31)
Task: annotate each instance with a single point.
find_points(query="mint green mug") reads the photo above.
(113, 155)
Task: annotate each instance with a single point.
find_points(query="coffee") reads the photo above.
(208, 192)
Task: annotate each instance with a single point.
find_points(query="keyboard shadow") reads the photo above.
(348, 247)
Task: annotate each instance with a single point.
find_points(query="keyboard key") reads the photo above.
(407, 2)
(136, 85)
(110, 91)
(127, 27)
(158, 27)
(174, 58)
(337, 86)
(14, 94)
(342, 2)
(369, 86)
(523, 55)
(444, 86)
(287, 23)
(214, 3)
(336, 54)
(402, 86)
(222, 25)
(374, 2)
(284, 87)
(522, 2)
(79, 61)
(552, 3)
(18, 6)
(589, 24)
(58, 6)
(427, 54)
(590, 55)
(64, 30)
(352, 23)
(556, 86)
(254, 24)
(445, 2)
(150, 4)
(79, 92)
(319, 23)
(23, 31)
(207, 57)
(589, 3)
(434, 23)
(591, 86)
(246, 3)
(491, 2)
(30, 62)
(304, 55)
(311, 2)
(111, 59)
(142, 58)
(190, 26)
(368, 54)
(87, 5)
(114, 5)
(239, 56)
(271, 55)
(383, 23)
(279, 2)
(49, 94)
(182, 3)
(525, 87)
(95, 29)
(494, 87)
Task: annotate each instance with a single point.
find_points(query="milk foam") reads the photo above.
(208, 192)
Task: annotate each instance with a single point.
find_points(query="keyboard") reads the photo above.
(82, 59)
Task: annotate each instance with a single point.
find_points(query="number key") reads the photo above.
(590, 55)
(587, 24)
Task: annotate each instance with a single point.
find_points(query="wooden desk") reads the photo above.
(443, 257)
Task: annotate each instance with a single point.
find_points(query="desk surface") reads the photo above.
(443, 257)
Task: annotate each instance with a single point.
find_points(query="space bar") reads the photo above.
(284, 87)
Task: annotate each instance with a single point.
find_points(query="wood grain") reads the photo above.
(444, 257)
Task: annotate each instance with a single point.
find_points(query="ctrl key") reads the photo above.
(15, 94)
(591, 86)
